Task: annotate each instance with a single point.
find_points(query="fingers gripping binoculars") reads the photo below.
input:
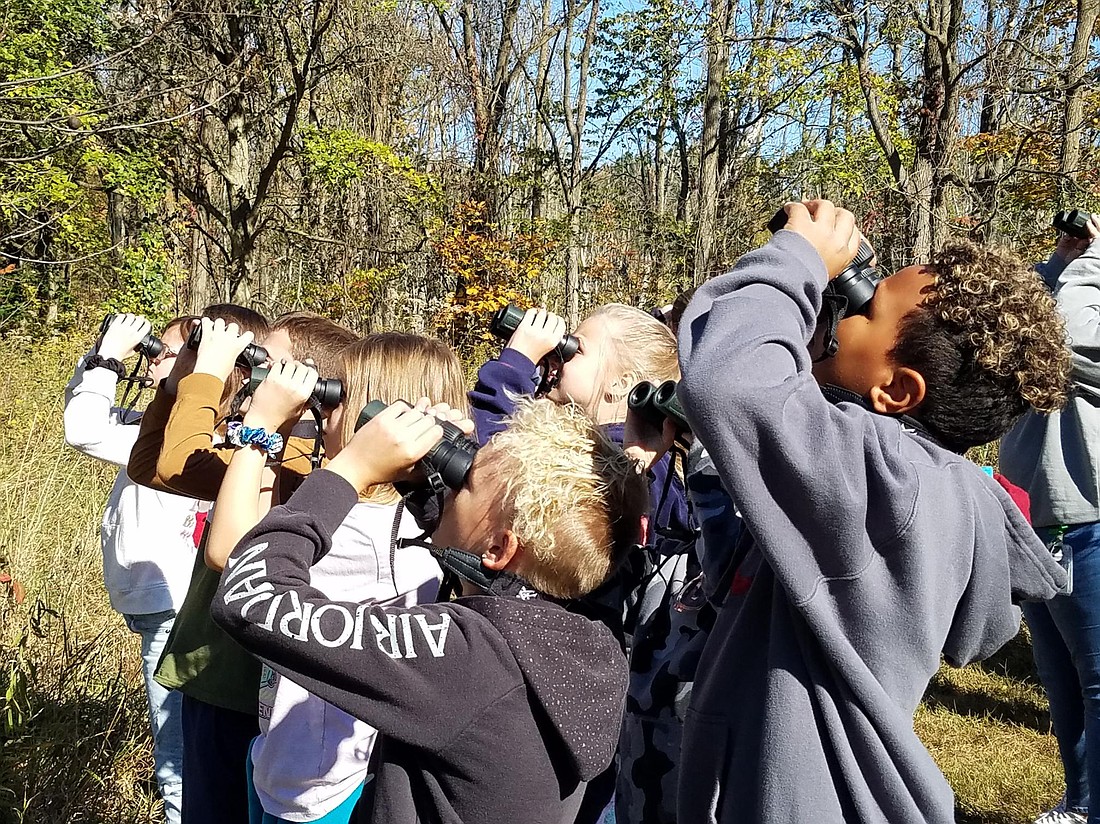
(252, 356)
(505, 322)
(327, 394)
(853, 288)
(150, 346)
(1073, 222)
(659, 403)
(448, 462)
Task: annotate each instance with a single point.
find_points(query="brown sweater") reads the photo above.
(175, 452)
(175, 449)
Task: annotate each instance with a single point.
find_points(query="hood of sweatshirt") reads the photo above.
(985, 619)
(574, 669)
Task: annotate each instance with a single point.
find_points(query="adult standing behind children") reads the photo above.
(147, 536)
(1056, 458)
(870, 544)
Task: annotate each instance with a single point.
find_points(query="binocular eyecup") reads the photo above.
(505, 322)
(150, 346)
(448, 463)
(658, 403)
(253, 355)
(856, 285)
(1073, 222)
(328, 393)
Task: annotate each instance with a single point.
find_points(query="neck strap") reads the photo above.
(468, 567)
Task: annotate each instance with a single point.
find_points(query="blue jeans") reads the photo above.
(1065, 639)
(164, 710)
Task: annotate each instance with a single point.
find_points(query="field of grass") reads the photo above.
(73, 734)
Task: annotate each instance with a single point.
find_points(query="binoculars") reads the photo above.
(448, 462)
(856, 285)
(505, 322)
(150, 346)
(1073, 222)
(328, 393)
(252, 356)
(658, 403)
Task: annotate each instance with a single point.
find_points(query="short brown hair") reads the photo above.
(247, 320)
(317, 337)
(574, 498)
(988, 341)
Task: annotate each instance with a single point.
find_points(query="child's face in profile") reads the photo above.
(581, 379)
(472, 517)
(865, 341)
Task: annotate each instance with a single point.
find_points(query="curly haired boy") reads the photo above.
(870, 546)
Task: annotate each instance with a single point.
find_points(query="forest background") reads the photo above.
(415, 164)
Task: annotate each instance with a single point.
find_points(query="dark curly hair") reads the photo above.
(989, 342)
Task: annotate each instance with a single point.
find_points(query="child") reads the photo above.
(1055, 457)
(496, 707)
(179, 448)
(147, 536)
(310, 760)
(620, 346)
(871, 545)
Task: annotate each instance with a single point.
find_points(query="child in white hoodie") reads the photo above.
(148, 537)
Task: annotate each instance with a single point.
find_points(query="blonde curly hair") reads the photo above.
(989, 342)
(574, 500)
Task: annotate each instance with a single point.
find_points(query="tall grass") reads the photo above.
(75, 744)
(73, 731)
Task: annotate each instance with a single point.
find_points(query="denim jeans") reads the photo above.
(165, 716)
(1065, 639)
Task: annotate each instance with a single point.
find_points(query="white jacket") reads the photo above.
(147, 536)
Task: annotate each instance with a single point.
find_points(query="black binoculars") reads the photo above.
(1073, 222)
(448, 462)
(328, 393)
(150, 346)
(856, 285)
(657, 403)
(505, 322)
(252, 356)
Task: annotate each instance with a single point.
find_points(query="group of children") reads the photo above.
(637, 624)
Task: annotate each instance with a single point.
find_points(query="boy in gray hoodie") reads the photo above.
(870, 544)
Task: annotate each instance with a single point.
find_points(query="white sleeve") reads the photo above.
(93, 425)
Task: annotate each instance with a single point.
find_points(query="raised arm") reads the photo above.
(245, 493)
(392, 668)
(1078, 294)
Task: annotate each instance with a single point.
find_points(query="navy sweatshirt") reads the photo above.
(874, 551)
(490, 709)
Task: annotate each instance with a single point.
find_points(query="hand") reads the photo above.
(1070, 248)
(644, 442)
(831, 231)
(388, 446)
(282, 395)
(124, 333)
(219, 348)
(445, 412)
(538, 334)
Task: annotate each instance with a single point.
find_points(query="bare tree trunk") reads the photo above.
(1073, 116)
(717, 68)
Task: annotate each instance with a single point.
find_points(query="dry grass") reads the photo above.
(73, 737)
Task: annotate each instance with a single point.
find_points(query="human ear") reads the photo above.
(903, 393)
(503, 551)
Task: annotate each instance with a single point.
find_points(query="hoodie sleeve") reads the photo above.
(805, 474)
(1078, 294)
(498, 383)
(418, 674)
(93, 425)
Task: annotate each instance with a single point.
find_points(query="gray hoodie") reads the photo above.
(875, 550)
(1056, 458)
